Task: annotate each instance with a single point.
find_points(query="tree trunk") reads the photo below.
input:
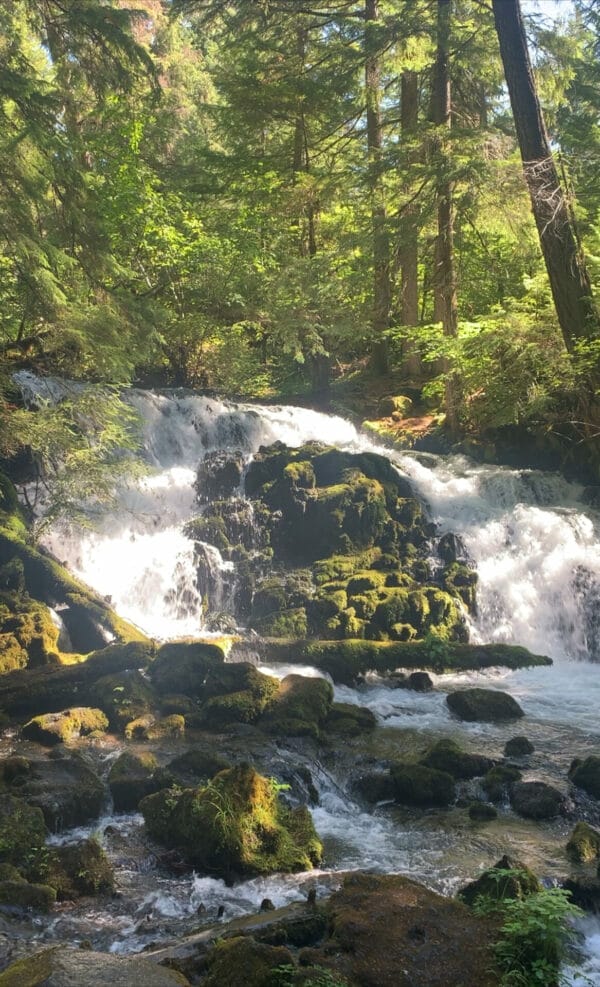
(381, 248)
(445, 300)
(569, 280)
(409, 257)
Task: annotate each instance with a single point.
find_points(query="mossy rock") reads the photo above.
(22, 829)
(235, 825)
(75, 870)
(498, 780)
(508, 879)
(416, 784)
(131, 778)
(300, 706)
(219, 475)
(446, 755)
(349, 720)
(67, 791)
(28, 635)
(482, 812)
(584, 843)
(518, 747)
(30, 897)
(586, 774)
(59, 728)
(236, 693)
(397, 405)
(196, 765)
(183, 667)
(377, 786)
(60, 966)
(459, 580)
(536, 800)
(484, 706)
(124, 696)
(258, 961)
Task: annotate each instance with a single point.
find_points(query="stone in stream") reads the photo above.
(57, 728)
(536, 800)
(218, 475)
(446, 755)
(61, 966)
(131, 778)
(518, 747)
(586, 774)
(507, 879)
(484, 705)
(67, 791)
(584, 843)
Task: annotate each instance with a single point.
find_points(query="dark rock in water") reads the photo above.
(243, 960)
(585, 892)
(584, 843)
(235, 693)
(124, 696)
(56, 728)
(60, 966)
(75, 870)
(349, 720)
(67, 791)
(536, 800)
(484, 705)
(374, 787)
(23, 895)
(446, 755)
(267, 905)
(507, 879)
(131, 778)
(195, 766)
(300, 707)
(451, 548)
(219, 475)
(22, 829)
(482, 812)
(182, 668)
(419, 682)
(586, 774)
(518, 747)
(499, 779)
(416, 784)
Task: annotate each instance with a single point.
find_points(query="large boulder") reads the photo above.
(22, 829)
(182, 667)
(536, 800)
(583, 844)
(446, 755)
(219, 475)
(416, 784)
(131, 778)
(506, 880)
(235, 825)
(484, 705)
(74, 870)
(235, 693)
(586, 774)
(58, 728)
(259, 961)
(60, 966)
(67, 791)
(124, 696)
(300, 707)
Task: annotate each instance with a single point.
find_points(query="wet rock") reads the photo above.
(583, 844)
(419, 682)
(257, 960)
(446, 755)
(58, 728)
(196, 765)
(374, 787)
(498, 781)
(219, 475)
(131, 778)
(124, 696)
(75, 870)
(518, 747)
(67, 791)
(22, 829)
(416, 784)
(349, 720)
(507, 879)
(482, 812)
(585, 892)
(61, 966)
(23, 895)
(484, 705)
(300, 707)
(150, 727)
(182, 668)
(451, 548)
(586, 774)
(235, 693)
(234, 825)
(536, 800)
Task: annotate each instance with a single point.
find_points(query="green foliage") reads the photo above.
(287, 975)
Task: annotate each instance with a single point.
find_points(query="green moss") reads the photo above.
(131, 778)
(584, 843)
(209, 529)
(349, 720)
(300, 706)
(124, 696)
(22, 829)
(366, 580)
(183, 667)
(22, 894)
(446, 755)
(508, 879)
(258, 961)
(59, 728)
(416, 784)
(300, 474)
(75, 870)
(236, 693)
(461, 581)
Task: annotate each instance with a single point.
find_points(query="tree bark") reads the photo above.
(569, 280)
(445, 298)
(381, 247)
(409, 256)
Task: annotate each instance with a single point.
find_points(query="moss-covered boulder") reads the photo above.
(583, 845)
(29, 897)
(124, 696)
(536, 800)
(484, 705)
(150, 727)
(235, 693)
(67, 791)
(182, 667)
(28, 635)
(218, 475)
(300, 707)
(235, 825)
(586, 774)
(72, 870)
(508, 879)
(22, 829)
(349, 720)
(131, 778)
(482, 812)
(498, 781)
(518, 747)
(59, 728)
(259, 962)
(60, 966)
(446, 755)
(416, 784)
(195, 766)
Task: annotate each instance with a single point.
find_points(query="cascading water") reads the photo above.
(537, 551)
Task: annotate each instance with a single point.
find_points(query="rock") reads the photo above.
(536, 800)
(507, 879)
(399, 405)
(585, 892)
(124, 696)
(67, 791)
(235, 825)
(300, 706)
(518, 747)
(22, 894)
(58, 728)
(482, 812)
(219, 475)
(196, 765)
(75, 870)
(61, 966)
(419, 682)
(446, 755)
(182, 668)
(484, 705)
(586, 774)
(451, 548)
(349, 720)
(498, 781)
(131, 778)
(583, 844)
(22, 829)
(257, 960)
(375, 787)
(416, 784)
(150, 727)
(235, 693)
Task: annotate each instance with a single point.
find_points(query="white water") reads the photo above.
(537, 552)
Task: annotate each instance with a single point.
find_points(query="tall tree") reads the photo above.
(569, 279)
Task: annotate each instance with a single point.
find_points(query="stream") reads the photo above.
(536, 547)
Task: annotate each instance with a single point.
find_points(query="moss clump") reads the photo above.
(22, 894)
(74, 870)
(131, 778)
(584, 843)
(461, 581)
(235, 825)
(446, 755)
(498, 780)
(182, 667)
(300, 707)
(349, 720)
(22, 829)
(124, 696)
(236, 693)
(258, 961)
(506, 880)
(59, 728)
(416, 784)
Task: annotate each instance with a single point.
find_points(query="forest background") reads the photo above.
(285, 199)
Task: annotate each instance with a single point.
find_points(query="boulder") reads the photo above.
(235, 825)
(507, 879)
(446, 755)
(58, 728)
(150, 727)
(376, 786)
(29, 897)
(219, 475)
(196, 765)
(482, 812)
(75, 870)
(536, 800)
(498, 781)
(61, 966)
(67, 791)
(518, 747)
(300, 707)
(586, 774)
(416, 784)
(585, 892)
(124, 696)
(484, 705)
(180, 667)
(22, 829)
(583, 844)
(259, 962)
(349, 720)
(235, 693)
(131, 778)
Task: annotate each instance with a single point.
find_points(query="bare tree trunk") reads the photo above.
(569, 280)
(409, 256)
(381, 246)
(445, 300)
